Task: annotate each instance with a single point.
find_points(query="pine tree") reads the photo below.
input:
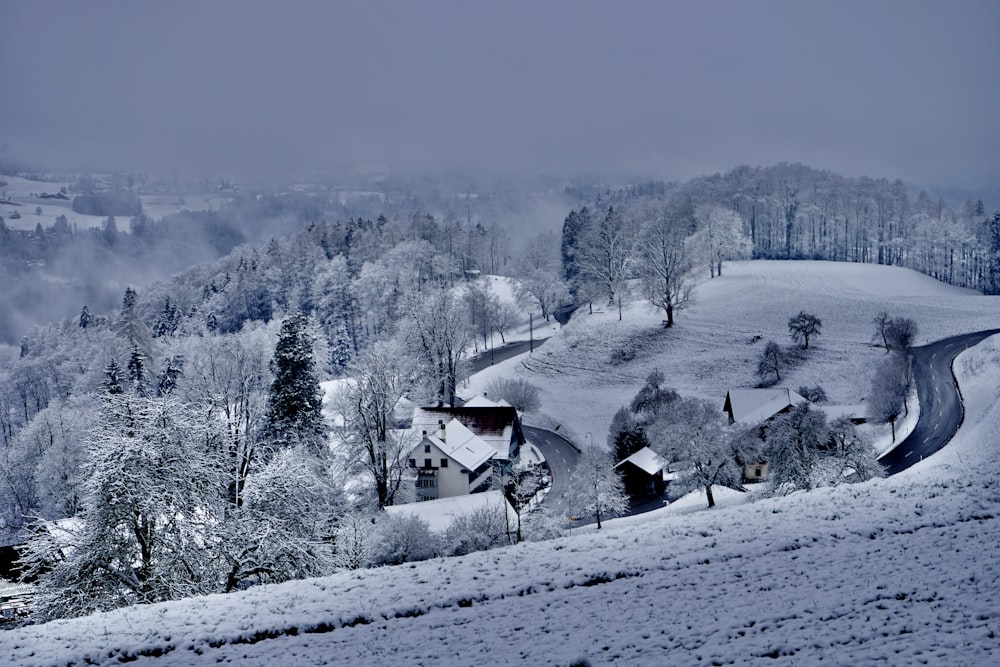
(113, 379)
(295, 400)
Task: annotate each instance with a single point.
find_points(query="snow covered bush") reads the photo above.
(523, 395)
(482, 529)
(402, 538)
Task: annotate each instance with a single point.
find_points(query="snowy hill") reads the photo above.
(897, 571)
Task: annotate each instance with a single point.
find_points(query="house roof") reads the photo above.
(752, 406)
(463, 446)
(493, 424)
(441, 512)
(646, 460)
(481, 401)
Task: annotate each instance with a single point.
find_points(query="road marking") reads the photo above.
(907, 454)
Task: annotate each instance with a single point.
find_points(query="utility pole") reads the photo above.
(531, 333)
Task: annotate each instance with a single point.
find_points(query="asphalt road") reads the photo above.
(941, 410)
(561, 455)
(486, 359)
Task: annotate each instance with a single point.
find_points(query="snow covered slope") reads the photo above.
(898, 571)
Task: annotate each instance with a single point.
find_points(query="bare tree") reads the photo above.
(803, 326)
(438, 330)
(771, 362)
(608, 255)
(887, 398)
(664, 266)
(381, 377)
(521, 394)
(596, 488)
(900, 334)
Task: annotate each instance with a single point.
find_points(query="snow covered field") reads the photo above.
(22, 195)
(710, 348)
(898, 571)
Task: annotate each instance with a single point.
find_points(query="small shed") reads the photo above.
(642, 473)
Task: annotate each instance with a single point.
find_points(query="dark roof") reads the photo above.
(483, 420)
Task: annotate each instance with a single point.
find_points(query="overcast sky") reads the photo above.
(672, 89)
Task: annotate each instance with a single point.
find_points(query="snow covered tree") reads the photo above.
(380, 378)
(437, 329)
(402, 538)
(626, 436)
(137, 376)
(295, 400)
(854, 452)
(229, 378)
(803, 326)
(887, 397)
(694, 432)
(482, 529)
(541, 288)
(595, 487)
(653, 396)
(719, 237)
(150, 495)
(521, 394)
(282, 530)
(607, 255)
(793, 445)
(576, 228)
(664, 265)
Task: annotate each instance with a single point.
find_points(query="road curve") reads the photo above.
(561, 455)
(484, 360)
(941, 410)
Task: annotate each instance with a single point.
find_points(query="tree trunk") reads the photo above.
(708, 494)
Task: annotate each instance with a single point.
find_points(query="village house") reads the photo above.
(642, 473)
(462, 448)
(753, 407)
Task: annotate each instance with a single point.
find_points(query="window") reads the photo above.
(427, 449)
(427, 463)
(444, 463)
(757, 472)
(413, 463)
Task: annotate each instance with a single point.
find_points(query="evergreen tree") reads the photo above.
(113, 379)
(137, 373)
(85, 317)
(295, 400)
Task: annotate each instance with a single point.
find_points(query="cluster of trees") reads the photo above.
(656, 234)
(801, 448)
(774, 358)
(887, 398)
(658, 244)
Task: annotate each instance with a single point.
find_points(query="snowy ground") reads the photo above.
(710, 349)
(22, 195)
(898, 571)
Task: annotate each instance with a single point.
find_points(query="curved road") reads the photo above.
(941, 410)
(561, 455)
(484, 360)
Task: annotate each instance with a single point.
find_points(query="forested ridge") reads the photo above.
(190, 368)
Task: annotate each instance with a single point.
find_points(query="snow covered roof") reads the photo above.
(481, 401)
(441, 512)
(463, 446)
(493, 424)
(752, 406)
(646, 460)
